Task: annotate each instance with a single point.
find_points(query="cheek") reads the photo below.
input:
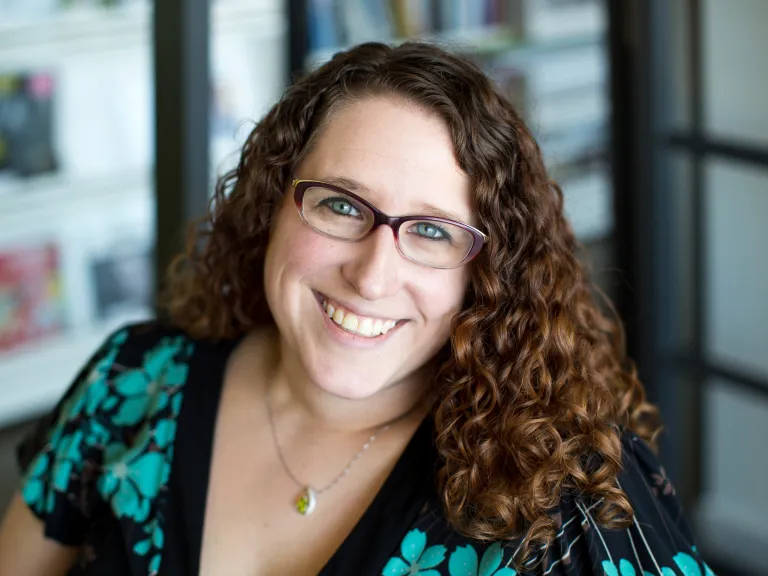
(442, 297)
(299, 251)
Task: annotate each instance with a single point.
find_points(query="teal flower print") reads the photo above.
(463, 562)
(417, 559)
(33, 487)
(626, 568)
(690, 567)
(123, 420)
(687, 565)
(142, 393)
(707, 570)
(131, 485)
(154, 543)
(94, 389)
(685, 562)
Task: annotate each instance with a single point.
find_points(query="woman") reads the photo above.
(381, 357)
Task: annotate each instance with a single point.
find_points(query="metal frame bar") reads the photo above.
(701, 145)
(622, 61)
(661, 311)
(181, 37)
(699, 271)
(298, 41)
(732, 375)
(638, 199)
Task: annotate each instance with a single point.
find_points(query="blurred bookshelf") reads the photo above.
(77, 205)
(77, 198)
(549, 56)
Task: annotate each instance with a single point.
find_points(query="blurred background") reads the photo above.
(116, 117)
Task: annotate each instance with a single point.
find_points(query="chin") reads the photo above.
(349, 386)
(347, 389)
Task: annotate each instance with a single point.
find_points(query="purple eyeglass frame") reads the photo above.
(381, 219)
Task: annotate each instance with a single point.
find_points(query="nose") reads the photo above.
(374, 268)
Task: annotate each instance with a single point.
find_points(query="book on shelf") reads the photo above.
(365, 21)
(122, 283)
(26, 123)
(31, 304)
(323, 29)
(336, 23)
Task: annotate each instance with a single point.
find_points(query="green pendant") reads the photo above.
(306, 502)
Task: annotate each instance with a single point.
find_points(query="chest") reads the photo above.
(251, 525)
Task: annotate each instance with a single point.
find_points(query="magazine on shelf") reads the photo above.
(31, 304)
(122, 282)
(26, 123)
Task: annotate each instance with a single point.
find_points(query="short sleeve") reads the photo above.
(59, 460)
(658, 542)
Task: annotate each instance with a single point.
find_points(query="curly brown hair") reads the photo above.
(534, 383)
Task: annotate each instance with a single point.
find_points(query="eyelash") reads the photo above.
(445, 235)
(326, 202)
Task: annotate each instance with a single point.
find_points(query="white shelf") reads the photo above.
(48, 199)
(79, 30)
(75, 29)
(33, 377)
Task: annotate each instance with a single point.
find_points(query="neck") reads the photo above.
(293, 396)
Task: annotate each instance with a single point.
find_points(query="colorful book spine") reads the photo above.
(322, 25)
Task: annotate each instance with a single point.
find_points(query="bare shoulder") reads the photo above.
(24, 549)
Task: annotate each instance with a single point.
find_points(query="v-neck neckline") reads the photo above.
(368, 546)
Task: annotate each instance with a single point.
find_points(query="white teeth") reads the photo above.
(388, 325)
(350, 322)
(360, 325)
(365, 327)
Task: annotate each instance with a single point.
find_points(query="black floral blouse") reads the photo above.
(120, 468)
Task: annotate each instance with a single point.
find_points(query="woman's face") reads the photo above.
(401, 160)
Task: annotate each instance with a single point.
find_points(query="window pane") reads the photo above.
(735, 83)
(737, 277)
(678, 241)
(731, 516)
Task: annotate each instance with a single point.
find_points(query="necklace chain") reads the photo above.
(340, 476)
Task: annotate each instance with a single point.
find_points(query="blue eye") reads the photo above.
(431, 231)
(341, 206)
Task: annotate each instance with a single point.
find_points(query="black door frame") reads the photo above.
(181, 39)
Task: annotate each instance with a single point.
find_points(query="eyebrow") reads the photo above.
(424, 209)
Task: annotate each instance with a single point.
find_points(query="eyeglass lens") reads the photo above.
(429, 242)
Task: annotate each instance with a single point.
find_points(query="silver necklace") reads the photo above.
(307, 499)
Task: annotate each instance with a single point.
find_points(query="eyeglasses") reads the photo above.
(426, 240)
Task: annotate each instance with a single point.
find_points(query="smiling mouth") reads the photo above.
(365, 326)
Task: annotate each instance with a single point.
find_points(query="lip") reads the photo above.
(349, 338)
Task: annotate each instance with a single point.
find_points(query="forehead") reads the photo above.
(401, 155)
